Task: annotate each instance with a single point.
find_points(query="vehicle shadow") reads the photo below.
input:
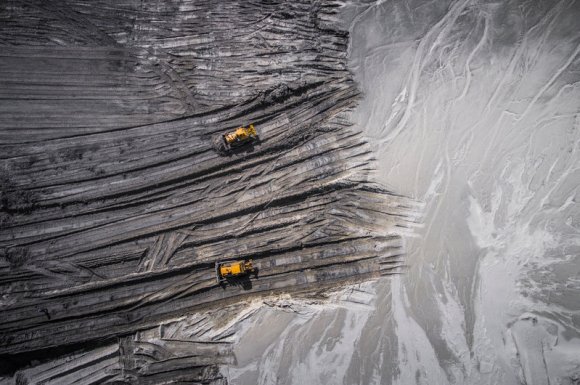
(245, 281)
(224, 151)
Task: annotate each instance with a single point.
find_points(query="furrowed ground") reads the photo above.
(116, 205)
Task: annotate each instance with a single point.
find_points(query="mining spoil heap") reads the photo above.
(115, 204)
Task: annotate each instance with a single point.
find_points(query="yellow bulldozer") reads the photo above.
(233, 269)
(241, 136)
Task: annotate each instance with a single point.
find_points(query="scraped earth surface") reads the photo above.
(116, 204)
(472, 107)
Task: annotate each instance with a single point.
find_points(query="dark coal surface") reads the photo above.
(115, 204)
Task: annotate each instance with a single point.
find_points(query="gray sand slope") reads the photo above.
(473, 108)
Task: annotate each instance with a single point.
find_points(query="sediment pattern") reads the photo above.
(116, 204)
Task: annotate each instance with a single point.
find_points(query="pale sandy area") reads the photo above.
(473, 109)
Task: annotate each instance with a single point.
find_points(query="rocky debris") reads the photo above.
(107, 120)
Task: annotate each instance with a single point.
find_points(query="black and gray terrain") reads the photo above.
(115, 203)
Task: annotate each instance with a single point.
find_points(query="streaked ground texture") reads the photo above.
(115, 204)
(473, 108)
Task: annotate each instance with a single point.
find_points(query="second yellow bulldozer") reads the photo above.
(233, 269)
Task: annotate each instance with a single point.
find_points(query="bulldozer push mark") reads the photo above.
(159, 254)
